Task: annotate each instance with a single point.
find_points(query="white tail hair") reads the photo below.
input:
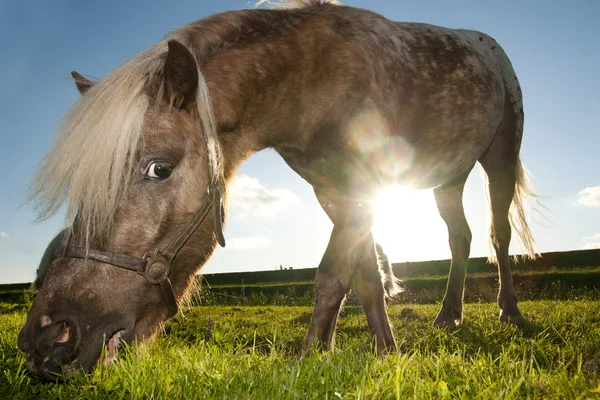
(517, 214)
(391, 284)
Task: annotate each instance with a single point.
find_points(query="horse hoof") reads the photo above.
(447, 320)
(516, 319)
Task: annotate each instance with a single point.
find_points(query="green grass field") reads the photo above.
(250, 352)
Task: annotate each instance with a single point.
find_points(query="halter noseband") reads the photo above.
(144, 266)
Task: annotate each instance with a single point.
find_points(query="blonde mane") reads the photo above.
(293, 3)
(91, 161)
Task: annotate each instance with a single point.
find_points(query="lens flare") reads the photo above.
(408, 226)
(393, 155)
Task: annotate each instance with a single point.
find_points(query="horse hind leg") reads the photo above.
(501, 192)
(450, 206)
(507, 187)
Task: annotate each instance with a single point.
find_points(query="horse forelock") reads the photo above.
(91, 162)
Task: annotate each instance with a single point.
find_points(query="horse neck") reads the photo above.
(265, 92)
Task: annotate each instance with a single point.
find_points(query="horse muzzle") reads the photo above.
(58, 347)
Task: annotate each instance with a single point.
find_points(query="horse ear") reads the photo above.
(83, 84)
(181, 75)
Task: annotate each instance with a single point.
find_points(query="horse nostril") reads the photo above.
(57, 341)
(65, 335)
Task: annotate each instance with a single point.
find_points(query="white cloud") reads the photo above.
(245, 243)
(248, 197)
(590, 246)
(3, 235)
(590, 196)
(593, 242)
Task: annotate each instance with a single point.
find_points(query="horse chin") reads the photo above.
(103, 351)
(136, 338)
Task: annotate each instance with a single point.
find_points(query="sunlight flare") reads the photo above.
(408, 226)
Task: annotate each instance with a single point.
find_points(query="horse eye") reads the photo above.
(159, 170)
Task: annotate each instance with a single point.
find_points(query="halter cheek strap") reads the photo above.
(155, 266)
(219, 210)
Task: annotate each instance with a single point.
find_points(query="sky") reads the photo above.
(274, 218)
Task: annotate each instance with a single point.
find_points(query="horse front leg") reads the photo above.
(332, 282)
(369, 286)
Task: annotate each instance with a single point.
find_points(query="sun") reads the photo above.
(408, 226)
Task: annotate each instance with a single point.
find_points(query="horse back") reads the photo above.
(408, 103)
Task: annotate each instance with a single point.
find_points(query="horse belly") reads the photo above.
(429, 164)
(345, 171)
(420, 152)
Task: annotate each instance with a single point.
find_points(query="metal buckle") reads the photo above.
(154, 258)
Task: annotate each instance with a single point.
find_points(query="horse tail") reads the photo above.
(518, 211)
(517, 214)
(391, 284)
(523, 189)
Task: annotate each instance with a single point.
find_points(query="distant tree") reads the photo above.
(280, 267)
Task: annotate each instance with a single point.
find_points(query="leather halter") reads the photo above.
(145, 266)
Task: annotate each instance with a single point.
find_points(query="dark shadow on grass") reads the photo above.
(532, 329)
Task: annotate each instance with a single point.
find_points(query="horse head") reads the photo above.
(134, 162)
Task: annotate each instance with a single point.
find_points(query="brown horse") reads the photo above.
(351, 101)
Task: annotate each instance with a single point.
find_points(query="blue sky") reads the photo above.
(553, 47)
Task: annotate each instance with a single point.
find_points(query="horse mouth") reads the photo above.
(106, 356)
(111, 345)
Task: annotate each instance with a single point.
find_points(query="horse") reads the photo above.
(351, 101)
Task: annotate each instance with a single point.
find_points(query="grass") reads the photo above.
(250, 352)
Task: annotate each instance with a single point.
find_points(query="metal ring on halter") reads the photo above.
(155, 257)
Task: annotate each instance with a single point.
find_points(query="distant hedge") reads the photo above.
(555, 261)
(558, 285)
(558, 260)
